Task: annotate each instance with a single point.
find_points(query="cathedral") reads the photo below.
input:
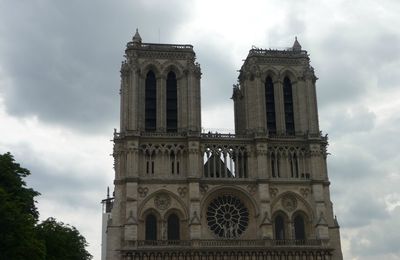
(181, 193)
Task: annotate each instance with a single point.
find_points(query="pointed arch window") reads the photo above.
(270, 105)
(294, 165)
(273, 169)
(150, 101)
(299, 228)
(173, 227)
(172, 104)
(279, 228)
(151, 227)
(288, 106)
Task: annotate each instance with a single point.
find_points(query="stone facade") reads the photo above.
(262, 193)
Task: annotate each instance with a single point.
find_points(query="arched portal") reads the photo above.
(173, 227)
(151, 227)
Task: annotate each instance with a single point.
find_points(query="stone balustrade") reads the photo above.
(224, 243)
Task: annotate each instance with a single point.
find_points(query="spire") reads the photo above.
(136, 38)
(296, 45)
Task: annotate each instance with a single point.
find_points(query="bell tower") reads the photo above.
(277, 93)
(160, 88)
(261, 193)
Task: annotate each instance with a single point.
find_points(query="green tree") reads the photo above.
(62, 241)
(18, 213)
(21, 237)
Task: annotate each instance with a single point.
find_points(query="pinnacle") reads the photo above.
(296, 45)
(136, 38)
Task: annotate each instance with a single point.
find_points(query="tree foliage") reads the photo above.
(20, 236)
(62, 241)
(18, 213)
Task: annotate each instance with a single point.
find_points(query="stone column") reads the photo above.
(125, 81)
(302, 111)
(132, 167)
(312, 105)
(279, 107)
(130, 227)
(194, 211)
(262, 162)
(265, 212)
(296, 107)
(161, 104)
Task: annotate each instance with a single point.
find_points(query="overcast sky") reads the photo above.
(59, 101)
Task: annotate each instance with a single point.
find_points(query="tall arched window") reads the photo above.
(299, 228)
(173, 227)
(151, 227)
(294, 165)
(150, 102)
(270, 105)
(288, 106)
(279, 228)
(273, 169)
(172, 107)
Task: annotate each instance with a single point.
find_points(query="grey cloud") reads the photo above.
(350, 62)
(219, 74)
(62, 184)
(362, 209)
(383, 239)
(63, 60)
(342, 121)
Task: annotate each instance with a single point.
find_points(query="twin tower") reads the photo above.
(261, 193)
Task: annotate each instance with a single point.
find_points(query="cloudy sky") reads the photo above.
(59, 101)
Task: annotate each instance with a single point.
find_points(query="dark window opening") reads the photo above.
(295, 166)
(152, 167)
(172, 104)
(299, 228)
(151, 227)
(278, 173)
(270, 105)
(150, 102)
(173, 227)
(279, 228)
(273, 165)
(177, 168)
(288, 106)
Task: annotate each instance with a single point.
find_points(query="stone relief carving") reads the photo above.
(203, 188)
(252, 188)
(289, 202)
(162, 201)
(195, 219)
(182, 191)
(304, 192)
(131, 219)
(143, 191)
(273, 192)
(266, 220)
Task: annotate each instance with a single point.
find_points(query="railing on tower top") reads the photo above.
(162, 46)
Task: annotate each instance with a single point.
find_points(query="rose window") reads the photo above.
(227, 216)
